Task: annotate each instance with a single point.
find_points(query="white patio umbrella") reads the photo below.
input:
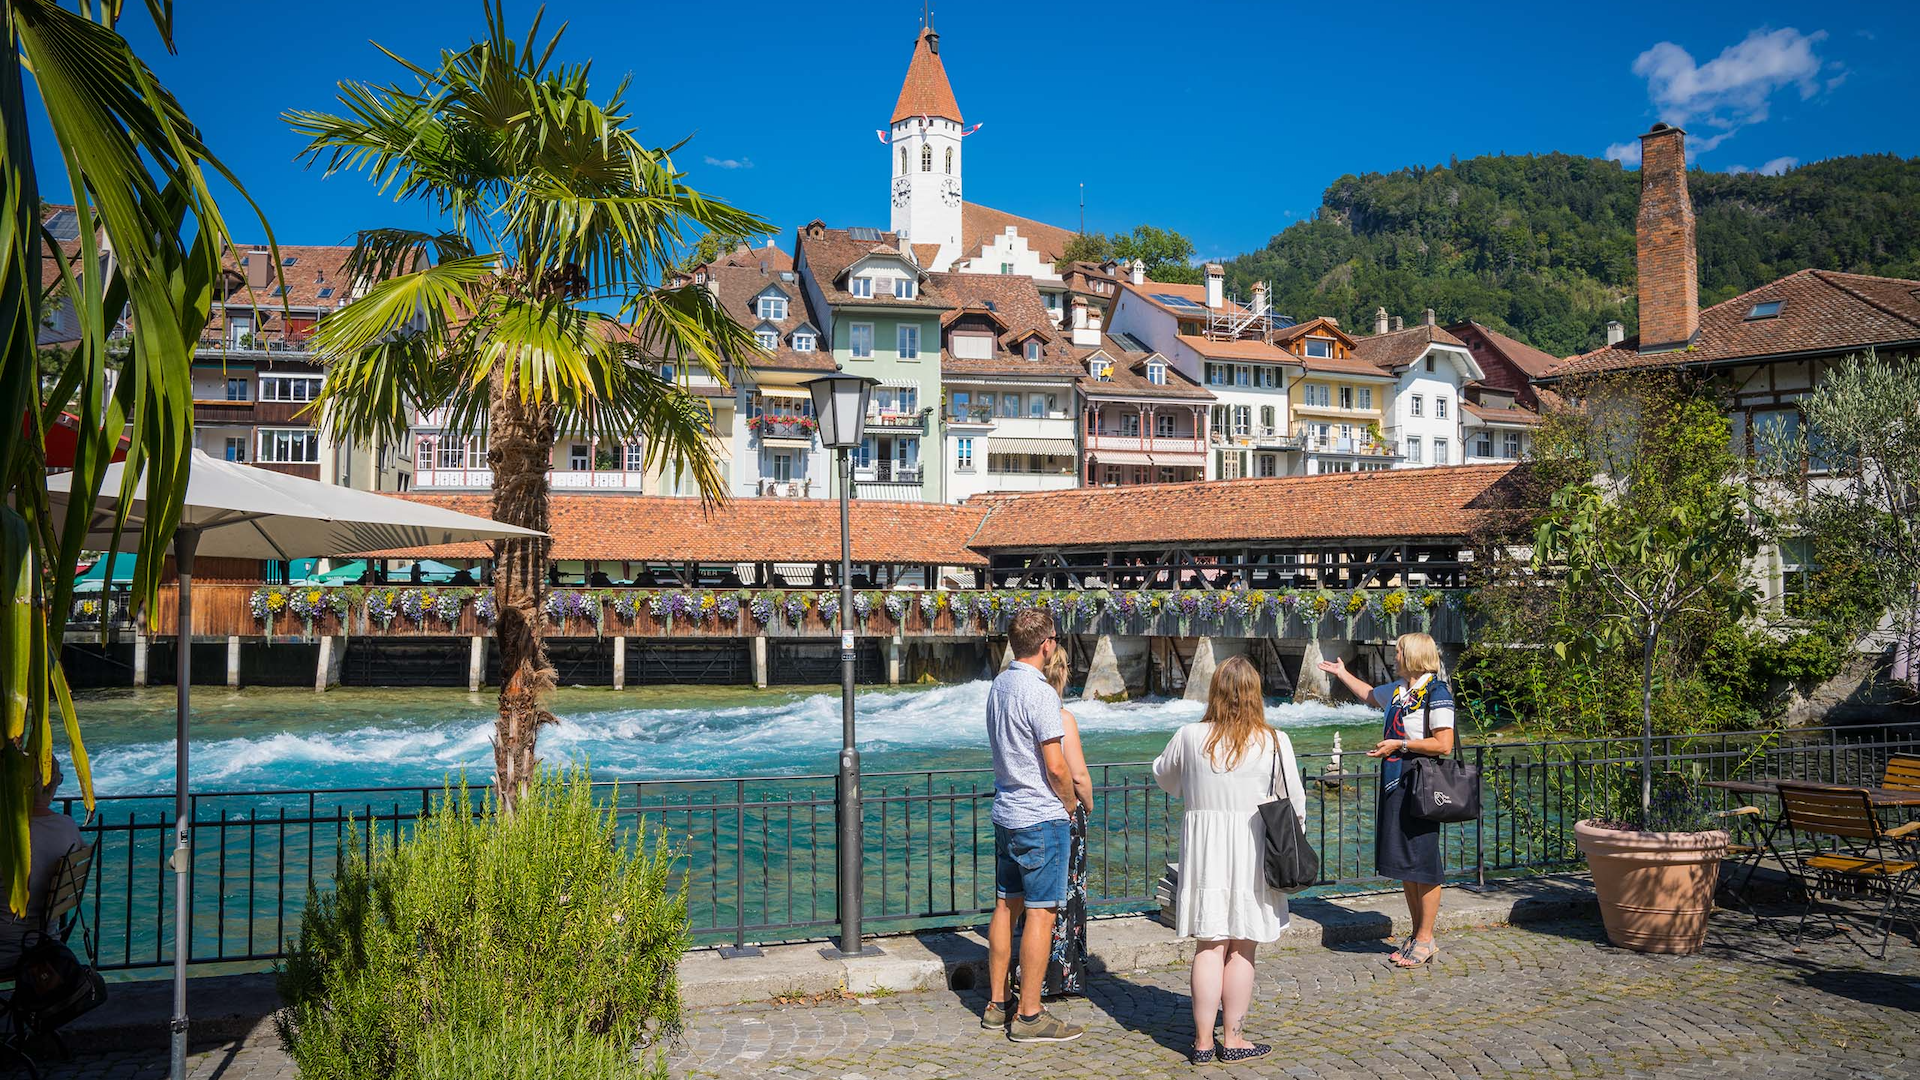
(239, 511)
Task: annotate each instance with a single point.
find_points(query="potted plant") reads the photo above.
(1655, 861)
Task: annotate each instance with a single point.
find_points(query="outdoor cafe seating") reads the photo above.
(1850, 855)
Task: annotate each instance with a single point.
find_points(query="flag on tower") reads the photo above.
(973, 129)
(881, 135)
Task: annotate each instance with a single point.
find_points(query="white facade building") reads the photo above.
(1432, 369)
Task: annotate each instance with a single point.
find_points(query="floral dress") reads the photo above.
(1067, 963)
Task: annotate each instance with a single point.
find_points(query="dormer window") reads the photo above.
(861, 287)
(1765, 309)
(803, 341)
(1157, 373)
(1100, 368)
(1033, 348)
(905, 288)
(1319, 348)
(768, 339)
(772, 308)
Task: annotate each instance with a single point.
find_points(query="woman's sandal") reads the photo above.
(1245, 1053)
(1405, 947)
(1421, 954)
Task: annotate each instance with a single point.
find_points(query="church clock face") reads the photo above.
(950, 191)
(901, 187)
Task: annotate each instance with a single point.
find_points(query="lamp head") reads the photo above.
(840, 405)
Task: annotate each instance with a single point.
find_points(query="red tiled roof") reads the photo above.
(1397, 350)
(1821, 312)
(1012, 302)
(1196, 294)
(980, 224)
(768, 256)
(1130, 376)
(1510, 415)
(926, 91)
(1528, 359)
(617, 528)
(1238, 349)
(831, 252)
(1443, 501)
(738, 287)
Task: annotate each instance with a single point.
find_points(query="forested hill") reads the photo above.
(1542, 246)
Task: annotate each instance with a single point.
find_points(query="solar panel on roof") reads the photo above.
(1171, 300)
(862, 232)
(64, 225)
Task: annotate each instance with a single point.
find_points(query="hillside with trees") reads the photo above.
(1542, 246)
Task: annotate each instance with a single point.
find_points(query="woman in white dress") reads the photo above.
(1223, 768)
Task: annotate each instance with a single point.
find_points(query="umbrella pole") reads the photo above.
(185, 540)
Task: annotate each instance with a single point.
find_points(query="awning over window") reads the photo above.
(1048, 447)
(782, 392)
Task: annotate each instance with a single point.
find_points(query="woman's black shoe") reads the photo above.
(1245, 1053)
(1199, 1057)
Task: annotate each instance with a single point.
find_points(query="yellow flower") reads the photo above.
(276, 600)
(313, 596)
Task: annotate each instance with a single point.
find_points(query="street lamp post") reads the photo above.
(840, 405)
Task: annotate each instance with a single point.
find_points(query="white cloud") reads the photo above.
(1731, 90)
(1626, 153)
(729, 163)
(1777, 166)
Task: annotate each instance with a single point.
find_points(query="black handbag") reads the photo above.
(1441, 788)
(1289, 862)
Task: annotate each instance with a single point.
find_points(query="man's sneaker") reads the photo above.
(995, 1017)
(1044, 1028)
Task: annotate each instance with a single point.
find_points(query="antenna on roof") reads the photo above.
(1083, 208)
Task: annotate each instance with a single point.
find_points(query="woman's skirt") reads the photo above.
(1406, 848)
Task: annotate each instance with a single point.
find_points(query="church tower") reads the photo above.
(924, 153)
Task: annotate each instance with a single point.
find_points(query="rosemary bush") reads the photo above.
(552, 914)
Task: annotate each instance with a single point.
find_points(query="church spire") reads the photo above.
(926, 91)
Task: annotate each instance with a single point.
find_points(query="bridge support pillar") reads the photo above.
(620, 663)
(1208, 654)
(896, 660)
(333, 654)
(140, 658)
(1314, 684)
(1118, 668)
(760, 661)
(476, 663)
(233, 661)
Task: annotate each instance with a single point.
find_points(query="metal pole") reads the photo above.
(185, 540)
(852, 852)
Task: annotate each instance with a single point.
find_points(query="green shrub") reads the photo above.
(551, 914)
(519, 1046)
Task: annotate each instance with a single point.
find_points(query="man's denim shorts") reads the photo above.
(1031, 864)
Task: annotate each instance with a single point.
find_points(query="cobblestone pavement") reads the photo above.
(1537, 1001)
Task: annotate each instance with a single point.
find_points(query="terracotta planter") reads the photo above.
(1655, 889)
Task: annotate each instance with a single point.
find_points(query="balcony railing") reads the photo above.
(597, 480)
(1113, 440)
(1260, 439)
(783, 427)
(453, 478)
(1359, 445)
(888, 472)
(889, 420)
(970, 414)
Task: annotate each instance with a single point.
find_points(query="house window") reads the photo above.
(1413, 449)
(1316, 394)
(1440, 408)
(781, 467)
(295, 446)
(926, 158)
(903, 161)
(1268, 466)
(1266, 420)
(237, 449)
(1766, 309)
(1243, 420)
(1366, 397)
(444, 454)
(1037, 406)
(1157, 373)
(1219, 416)
(635, 457)
(1006, 268)
(1429, 363)
(1796, 572)
(963, 454)
(1052, 300)
(949, 161)
(1217, 374)
(236, 389)
(768, 339)
(578, 457)
(1243, 375)
(1319, 349)
(1774, 431)
(1439, 451)
(1163, 425)
(1113, 475)
(1416, 405)
(1130, 425)
(1010, 405)
(773, 308)
(1264, 376)
(1511, 446)
(1230, 465)
(803, 342)
(1346, 397)
(861, 287)
(907, 342)
(1483, 445)
(289, 387)
(861, 340)
(905, 288)
(1033, 348)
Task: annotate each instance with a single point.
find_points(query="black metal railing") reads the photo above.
(757, 855)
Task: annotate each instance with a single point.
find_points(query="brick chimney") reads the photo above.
(1669, 261)
(1216, 285)
(1380, 321)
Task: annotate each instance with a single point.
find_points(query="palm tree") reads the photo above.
(145, 241)
(543, 305)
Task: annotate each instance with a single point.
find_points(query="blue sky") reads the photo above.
(1225, 121)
